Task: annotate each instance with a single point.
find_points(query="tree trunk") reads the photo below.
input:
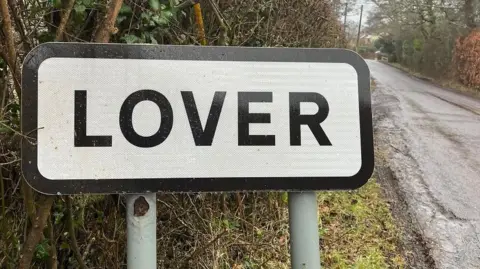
(107, 27)
(36, 232)
(469, 13)
(10, 45)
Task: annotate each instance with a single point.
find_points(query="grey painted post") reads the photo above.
(304, 239)
(142, 231)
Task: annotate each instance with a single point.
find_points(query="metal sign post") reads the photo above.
(304, 238)
(141, 231)
(135, 119)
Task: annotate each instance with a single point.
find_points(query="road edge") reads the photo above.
(432, 81)
(413, 244)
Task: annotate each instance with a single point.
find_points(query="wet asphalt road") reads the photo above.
(431, 139)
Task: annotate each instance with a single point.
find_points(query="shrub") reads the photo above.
(467, 59)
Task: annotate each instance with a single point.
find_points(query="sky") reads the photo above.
(354, 15)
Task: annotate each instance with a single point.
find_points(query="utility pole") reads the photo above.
(359, 27)
(345, 20)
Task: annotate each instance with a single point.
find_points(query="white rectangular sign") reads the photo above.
(136, 118)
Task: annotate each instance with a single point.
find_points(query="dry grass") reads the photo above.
(373, 84)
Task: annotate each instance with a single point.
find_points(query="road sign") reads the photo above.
(111, 118)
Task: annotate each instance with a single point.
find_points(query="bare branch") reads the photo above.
(52, 259)
(28, 200)
(36, 232)
(10, 45)
(204, 248)
(223, 29)
(27, 46)
(107, 27)
(63, 22)
(71, 232)
(186, 3)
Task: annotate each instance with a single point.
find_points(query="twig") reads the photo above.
(2, 192)
(252, 31)
(67, 34)
(267, 28)
(20, 24)
(199, 250)
(15, 188)
(224, 203)
(2, 260)
(185, 4)
(85, 24)
(36, 232)
(195, 209)
(108, 239)
(267, 260)
(4, 92)
(63, 23)
(28, 200)
(87, 249)
(224, 28)
(10, 162)
(52, 259)
(240, 199)
(18, 133)
(4, 218)
(71, 231)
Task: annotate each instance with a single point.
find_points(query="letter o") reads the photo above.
(126, 113)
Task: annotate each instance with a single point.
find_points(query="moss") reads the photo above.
(358, 229)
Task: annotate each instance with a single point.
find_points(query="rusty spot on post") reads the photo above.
(140, 207)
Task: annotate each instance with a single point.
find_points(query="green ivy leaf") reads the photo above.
(231, 224)
(46, 37)
(146, 16)
(100, 216)
(160, 20)
(57, 3)
(58, 217)
(4, 130)
(143, 37)
(120, 19)
(87, 2)
(64, 245)
(167, 14)
(80, 8)
(154, 4)
(129, 39)
(41, 250)
(126, 9)
(259, 232)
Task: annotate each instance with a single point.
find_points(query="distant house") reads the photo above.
(367, 39)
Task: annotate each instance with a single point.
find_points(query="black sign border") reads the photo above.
(169, 52)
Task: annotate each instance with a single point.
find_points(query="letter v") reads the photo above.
(201, 136)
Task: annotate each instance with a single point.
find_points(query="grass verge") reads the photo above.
(358, 230)
(244, 231)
